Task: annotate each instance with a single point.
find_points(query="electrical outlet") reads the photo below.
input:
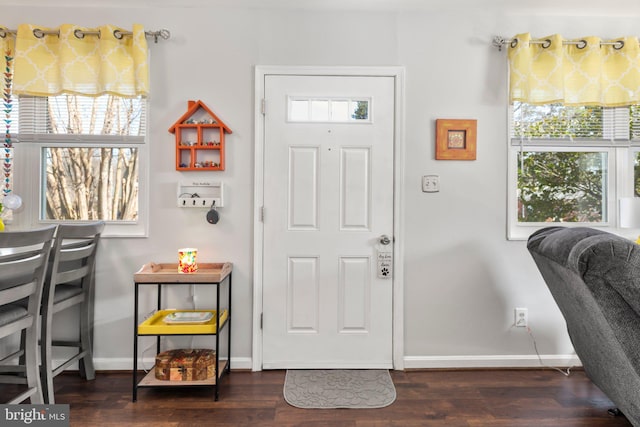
(521, 317)
(430, 183)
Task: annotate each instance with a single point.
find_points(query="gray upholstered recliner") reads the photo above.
(594, 277)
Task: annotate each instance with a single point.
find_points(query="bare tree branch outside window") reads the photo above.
(85, 182)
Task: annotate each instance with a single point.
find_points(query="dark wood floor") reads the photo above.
(503, 398)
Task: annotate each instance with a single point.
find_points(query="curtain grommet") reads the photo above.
(117, 34)
(546, 44)
(3, 32)
(581, 44)
(78, 33)
(38, 33)
(618, 44)
(514, 43)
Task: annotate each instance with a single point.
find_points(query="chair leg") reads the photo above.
(85, 364)
(46, 367)
(23, 338)
(31, 363)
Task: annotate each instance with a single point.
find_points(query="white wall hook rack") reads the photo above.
(200, 194)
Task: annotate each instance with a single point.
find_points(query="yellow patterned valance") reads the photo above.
(587, 71)
(76, 63)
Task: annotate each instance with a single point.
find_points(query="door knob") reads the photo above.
(384, 240)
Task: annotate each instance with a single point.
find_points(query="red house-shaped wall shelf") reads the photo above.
(199, 139)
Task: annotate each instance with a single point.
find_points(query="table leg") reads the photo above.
(135, 345)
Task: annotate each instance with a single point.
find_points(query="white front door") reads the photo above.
(328, 200)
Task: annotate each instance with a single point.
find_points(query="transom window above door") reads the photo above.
(335, 110)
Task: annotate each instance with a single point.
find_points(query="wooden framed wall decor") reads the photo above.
(456, 139)
(200, 139)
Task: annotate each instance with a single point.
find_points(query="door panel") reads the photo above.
(355, 189)
(355, 294)
(328, 196)
(302, 296)
(303, 188)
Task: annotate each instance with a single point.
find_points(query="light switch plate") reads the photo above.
(430, 183)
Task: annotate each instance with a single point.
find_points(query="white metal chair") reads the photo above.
(69, 282)
(23, 263)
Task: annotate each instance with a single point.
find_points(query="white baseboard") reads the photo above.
(410, 362)
(499, 361)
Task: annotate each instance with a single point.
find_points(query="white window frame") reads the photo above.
(521, 230)
(620, 175)
(330, 100)
(27, 177)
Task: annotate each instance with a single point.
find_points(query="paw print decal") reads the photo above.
(385, 271)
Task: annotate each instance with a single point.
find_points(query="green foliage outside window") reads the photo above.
(636, 175)
(561, 186)
(362, 111)
(557, 121)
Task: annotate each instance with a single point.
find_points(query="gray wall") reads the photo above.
(462, 277)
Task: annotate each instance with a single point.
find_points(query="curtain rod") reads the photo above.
(501, 41)
(164, 33)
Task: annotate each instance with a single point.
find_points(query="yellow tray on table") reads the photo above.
(156, 325)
